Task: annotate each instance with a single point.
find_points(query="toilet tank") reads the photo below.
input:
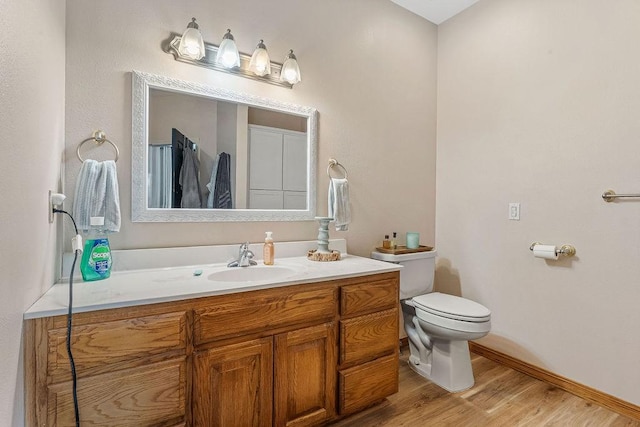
(417, 273)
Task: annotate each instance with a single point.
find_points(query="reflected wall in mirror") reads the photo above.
(206, 154)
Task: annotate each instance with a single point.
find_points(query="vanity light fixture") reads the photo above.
(260, 63)
(290, 69)
(228, 55)
(191, 43)
(190, 48)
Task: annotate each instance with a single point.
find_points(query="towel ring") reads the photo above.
(99, 138)
(334, 163)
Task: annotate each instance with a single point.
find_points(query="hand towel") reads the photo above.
(97, 195)
(338, 203)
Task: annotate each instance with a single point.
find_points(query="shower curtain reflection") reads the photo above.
(159, 176)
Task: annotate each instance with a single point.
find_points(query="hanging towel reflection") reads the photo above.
(220, 183)
(190, 181)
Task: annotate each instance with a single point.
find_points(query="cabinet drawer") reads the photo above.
(99, 344)
(367, 297)
(153, 395)
(367, 337)
(252, 312)
(364, 385)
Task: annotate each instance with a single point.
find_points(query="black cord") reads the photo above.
(69, 324)
(75, 227)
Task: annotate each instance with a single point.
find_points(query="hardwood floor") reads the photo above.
(500, 397)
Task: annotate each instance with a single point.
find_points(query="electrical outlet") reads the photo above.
(514, 211)
(55, 199)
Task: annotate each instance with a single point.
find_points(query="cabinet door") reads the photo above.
(153, 395)
(265, 160)
(305, 376)
(366, 384)
(367, 337)
(232, 385)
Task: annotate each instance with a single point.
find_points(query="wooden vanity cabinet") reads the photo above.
(300, 355)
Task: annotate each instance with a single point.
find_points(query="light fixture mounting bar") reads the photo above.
(209, 61)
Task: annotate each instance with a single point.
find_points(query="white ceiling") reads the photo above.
(436, 11)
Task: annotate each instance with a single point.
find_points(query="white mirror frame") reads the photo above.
(141, 83)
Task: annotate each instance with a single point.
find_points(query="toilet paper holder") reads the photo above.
(566, 250)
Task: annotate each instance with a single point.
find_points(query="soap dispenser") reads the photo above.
(96, 257)
(268, 253)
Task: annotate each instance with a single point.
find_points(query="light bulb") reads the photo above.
(228, 55)
(260, 63)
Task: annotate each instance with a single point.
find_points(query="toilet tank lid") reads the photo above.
(403, 257)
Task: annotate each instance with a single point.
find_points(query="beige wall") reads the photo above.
(32, 139)
(538, 103)
(376, 115)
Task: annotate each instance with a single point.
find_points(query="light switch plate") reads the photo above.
(514, 211)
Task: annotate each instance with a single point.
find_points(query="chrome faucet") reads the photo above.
(244, 257)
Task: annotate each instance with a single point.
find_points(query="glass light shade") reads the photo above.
(228, 55)
(290, 71)
(191, 44)
(260, 63)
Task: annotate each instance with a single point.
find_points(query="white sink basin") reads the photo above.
(255, 273)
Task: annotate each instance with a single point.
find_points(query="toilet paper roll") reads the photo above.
(545, 251)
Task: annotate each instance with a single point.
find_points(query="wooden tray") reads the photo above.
(404, 250)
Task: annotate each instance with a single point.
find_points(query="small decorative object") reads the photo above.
(413, 240)
(323, 253)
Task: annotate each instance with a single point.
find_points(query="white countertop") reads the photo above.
(154, 285)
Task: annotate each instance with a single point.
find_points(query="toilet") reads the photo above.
(438, 325)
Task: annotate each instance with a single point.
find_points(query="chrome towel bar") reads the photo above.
(610, 196)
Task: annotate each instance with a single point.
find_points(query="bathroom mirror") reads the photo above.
(203, 154)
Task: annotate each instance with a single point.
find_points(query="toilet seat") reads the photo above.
(429, 321)
(452, 307)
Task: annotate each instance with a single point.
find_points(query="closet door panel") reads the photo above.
(265, 199)
(294, 171)
(265, 160)
(295, 200)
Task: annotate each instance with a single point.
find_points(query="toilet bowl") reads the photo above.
(438, 325)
